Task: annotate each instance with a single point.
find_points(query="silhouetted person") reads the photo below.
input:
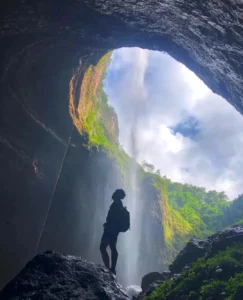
(118, 220)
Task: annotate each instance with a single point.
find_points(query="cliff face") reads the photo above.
(42, 44)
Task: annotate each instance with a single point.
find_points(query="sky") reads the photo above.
(181, 127)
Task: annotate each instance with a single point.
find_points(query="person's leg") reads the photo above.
(104, 253)
(114, 254)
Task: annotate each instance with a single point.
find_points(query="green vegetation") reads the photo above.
(188, 211)
(235, 212)
(217, 277)
(94, 117)
(185, 211)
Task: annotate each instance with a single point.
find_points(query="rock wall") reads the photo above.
(41, 45)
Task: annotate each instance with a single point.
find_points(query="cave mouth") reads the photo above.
(164, 116)
(41, 46)
(137, 105)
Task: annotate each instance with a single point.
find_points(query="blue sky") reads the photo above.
(192, 135)
(187, 128)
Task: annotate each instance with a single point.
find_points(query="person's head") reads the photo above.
(118, 195)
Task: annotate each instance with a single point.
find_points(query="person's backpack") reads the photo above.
(125, 220)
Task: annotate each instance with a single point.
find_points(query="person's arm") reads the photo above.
(109, 216)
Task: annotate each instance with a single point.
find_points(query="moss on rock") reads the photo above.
(217, 277)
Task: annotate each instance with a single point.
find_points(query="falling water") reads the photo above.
(129, 243)
(132, 240)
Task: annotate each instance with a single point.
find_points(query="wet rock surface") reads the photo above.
(225, 238)
(55, 276)
(193, 250)
(151, 288)
(192, 280)
(197, 248)
(150, 278)
(151, 281)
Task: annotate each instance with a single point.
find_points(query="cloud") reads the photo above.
(192, 135)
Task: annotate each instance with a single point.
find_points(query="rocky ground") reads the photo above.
(203, 270)
(55, 276)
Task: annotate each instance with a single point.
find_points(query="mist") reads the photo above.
(168, 117)
(182, 139)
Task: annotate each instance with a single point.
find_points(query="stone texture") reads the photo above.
(197, 248)
(150, 278)
(223, 239)
(208, 34)
(42, 43)
(151, 288)
(193, 250)
(52, 276)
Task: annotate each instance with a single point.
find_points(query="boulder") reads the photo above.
(61, 277)
(222, 239)
(151, 288)
(149, 278)
(167, 274)
(192, 251)
(197, 248)
(205, 274)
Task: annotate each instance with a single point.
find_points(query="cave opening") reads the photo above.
(42, 44)
(177, 157)
(182, 123)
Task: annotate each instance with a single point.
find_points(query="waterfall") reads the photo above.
(131, 244)
(129, 247)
